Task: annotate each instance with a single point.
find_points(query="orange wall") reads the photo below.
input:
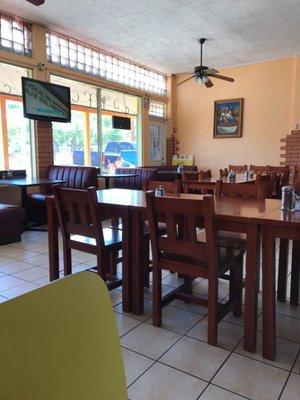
(270, 112)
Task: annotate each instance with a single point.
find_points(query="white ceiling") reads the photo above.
(162, 34)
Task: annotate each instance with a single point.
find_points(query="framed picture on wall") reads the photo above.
(228, 118)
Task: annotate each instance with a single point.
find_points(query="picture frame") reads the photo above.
(228, 118)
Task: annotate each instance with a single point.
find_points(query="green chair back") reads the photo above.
(60, 342)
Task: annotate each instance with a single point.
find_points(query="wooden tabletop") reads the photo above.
(29, 182)
(225, 207)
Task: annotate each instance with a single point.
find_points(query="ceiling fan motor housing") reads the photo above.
(200, 69)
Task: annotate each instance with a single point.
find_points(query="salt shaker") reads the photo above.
(231, 175)
(287, 198)
(160, 191)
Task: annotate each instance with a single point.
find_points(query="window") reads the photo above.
(16, 132)
(75, 55)
(79, 142)
(15, 35)
(158, 109)
(119, 146)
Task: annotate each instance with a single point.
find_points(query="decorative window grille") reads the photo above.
(15, 35)
(158, 109)
(80, 57)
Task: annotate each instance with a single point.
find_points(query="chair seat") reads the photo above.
(233, 240)
(112, 237)
(226, 258)
(38, 196)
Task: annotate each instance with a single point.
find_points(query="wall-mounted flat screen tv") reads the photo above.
(121, 123)
(46, 101)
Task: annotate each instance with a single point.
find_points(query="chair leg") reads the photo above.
(157, 297)
(188, 283)
(282, 270)
(236, 287)
(146, 257)
(212, 333)
(102, 265)
(67, 260)
(113, 263)
(295, 274)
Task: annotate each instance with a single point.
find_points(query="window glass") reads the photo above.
(19, 137)
(68, 140)
(119, 145)
(15, 35)
(158, 109)
(72, 54)
(16, 132)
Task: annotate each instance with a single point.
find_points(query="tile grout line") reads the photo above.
(288, 377)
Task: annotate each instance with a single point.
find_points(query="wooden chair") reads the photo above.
(267, 184)
(258, 169)
(60, 341)
(282, 179)
(278, 169)
(255, 191)
(238, 169)
(242, 190)
(80, 217)
(187, 255)
(223, 173)
(169, 187)
(205, 174)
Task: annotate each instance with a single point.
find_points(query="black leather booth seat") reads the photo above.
(74, 177)
(11, 223)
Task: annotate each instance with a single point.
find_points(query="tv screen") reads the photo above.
(46, 101)
(121, 123)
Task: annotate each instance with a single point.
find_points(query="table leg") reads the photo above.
(53, 241)
(251, 288)
(295, 274)
(24, 204)
(282, 269)
(126, 262)
(137, 263)
(106, 183)
(268, 294)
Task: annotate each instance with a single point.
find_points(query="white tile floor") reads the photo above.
(174, 361)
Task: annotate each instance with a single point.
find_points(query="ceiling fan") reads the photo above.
(202, 73)
(36, 2)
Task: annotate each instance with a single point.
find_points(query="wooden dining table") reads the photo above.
(236, 215)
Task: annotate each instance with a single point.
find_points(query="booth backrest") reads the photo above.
(136, 182)
(74, 177)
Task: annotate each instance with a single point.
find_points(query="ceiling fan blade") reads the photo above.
(209, 71)
(208, 84)
(185, 80)
(36, 2)
(224, 78)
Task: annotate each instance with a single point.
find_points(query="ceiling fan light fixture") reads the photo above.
(201, 79)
